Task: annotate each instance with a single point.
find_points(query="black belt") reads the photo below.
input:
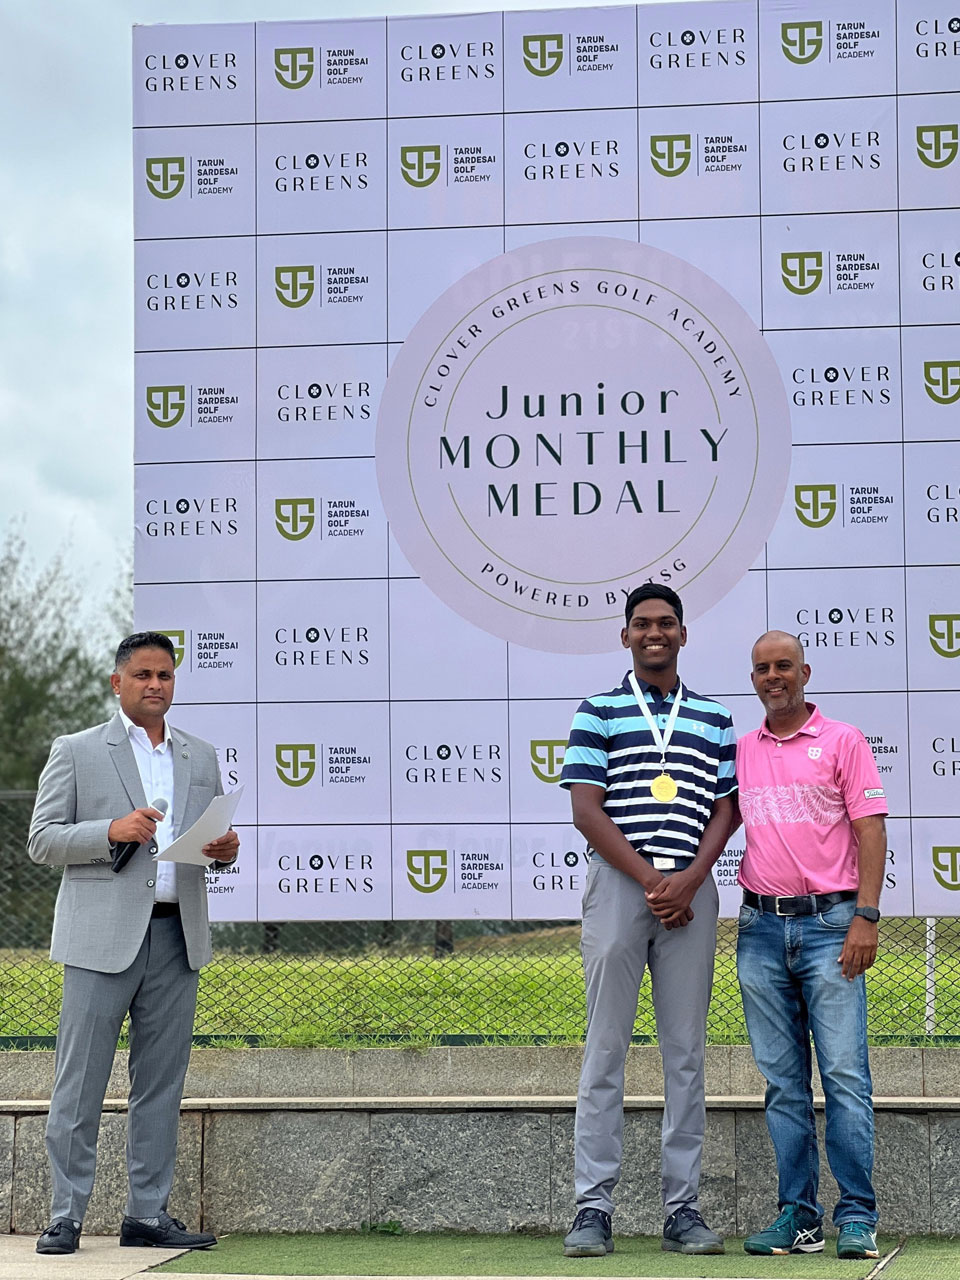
(808, 904)
(161, 910)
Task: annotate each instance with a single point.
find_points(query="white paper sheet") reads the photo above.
(213, 823)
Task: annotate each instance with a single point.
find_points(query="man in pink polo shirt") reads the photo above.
(813, 810)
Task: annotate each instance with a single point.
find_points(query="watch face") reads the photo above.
(869, 913)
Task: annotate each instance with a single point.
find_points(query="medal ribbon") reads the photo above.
(661, 740)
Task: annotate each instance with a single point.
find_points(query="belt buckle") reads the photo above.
(776, 905)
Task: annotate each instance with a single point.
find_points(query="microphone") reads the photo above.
(125, 851)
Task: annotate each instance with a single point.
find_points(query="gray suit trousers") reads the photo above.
(620, 938)
(160, 991)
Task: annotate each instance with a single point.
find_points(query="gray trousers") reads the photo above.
(160, 992)
(620, 937)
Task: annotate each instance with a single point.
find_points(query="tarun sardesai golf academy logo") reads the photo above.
(574, 418)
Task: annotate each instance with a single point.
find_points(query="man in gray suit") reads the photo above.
(131, 940)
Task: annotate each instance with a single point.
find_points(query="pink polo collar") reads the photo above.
(813, 726)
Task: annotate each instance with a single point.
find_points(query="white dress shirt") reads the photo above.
(155, 766)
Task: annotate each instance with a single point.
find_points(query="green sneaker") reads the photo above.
(857, 1240)
(795, 1231)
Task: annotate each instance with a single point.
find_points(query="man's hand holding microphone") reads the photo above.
(129, 833)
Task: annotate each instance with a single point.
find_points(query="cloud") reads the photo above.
(66, 260)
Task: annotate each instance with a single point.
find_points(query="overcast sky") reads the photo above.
(66, 257)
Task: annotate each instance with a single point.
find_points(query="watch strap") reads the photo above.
(869, 913)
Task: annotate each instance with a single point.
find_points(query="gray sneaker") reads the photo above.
(590, 1236)
(686, 1232)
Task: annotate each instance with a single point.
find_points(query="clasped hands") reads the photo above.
(669, 900)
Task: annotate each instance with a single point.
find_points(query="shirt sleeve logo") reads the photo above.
(874, 793)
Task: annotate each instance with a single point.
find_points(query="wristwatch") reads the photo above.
(869, 913)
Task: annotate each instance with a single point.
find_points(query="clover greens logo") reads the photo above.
(543, 55)
(427, 869)
(420, 165)
(294, 517)
(941, 380)
(293, 67)
(801, 42)
(946, 865)
(294, 285)
(179, 641)
(546, 758)
(166, 176)
(815, 504)
(670, 153)
(945, 634)
(802, 272)
(938, 144)
(166, 405)
(296, 762)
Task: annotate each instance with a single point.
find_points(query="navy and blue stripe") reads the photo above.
(612, 747)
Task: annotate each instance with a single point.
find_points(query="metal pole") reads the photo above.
(930, 956)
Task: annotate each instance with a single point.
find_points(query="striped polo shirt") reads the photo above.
(611, 746)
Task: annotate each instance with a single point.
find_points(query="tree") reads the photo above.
(54, 662)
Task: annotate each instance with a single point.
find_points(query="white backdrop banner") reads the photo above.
(450, 330)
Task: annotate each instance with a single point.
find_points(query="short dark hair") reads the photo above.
(653, 591)
(143, 640)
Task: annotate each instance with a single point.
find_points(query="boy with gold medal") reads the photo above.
(650, 769)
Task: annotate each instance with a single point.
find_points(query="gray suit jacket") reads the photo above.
(91, 778)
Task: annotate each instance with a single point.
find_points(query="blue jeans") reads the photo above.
(791, 986)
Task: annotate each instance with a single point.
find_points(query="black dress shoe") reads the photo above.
(170, 1234)
(62, 1236)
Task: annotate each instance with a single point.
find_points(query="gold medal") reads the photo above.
(664, 788)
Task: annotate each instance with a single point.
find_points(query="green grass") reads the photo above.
(926, 1258)
(521, 987)
(376, 1254)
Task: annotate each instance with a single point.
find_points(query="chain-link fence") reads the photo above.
(336, 982)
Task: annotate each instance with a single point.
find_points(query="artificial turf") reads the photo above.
(380, 1253)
